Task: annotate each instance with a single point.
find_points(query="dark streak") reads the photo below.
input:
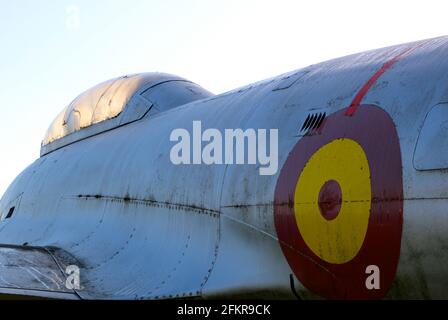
(130, 200)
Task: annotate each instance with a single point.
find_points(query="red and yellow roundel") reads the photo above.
(339, 205)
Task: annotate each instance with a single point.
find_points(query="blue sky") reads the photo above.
(52, 50)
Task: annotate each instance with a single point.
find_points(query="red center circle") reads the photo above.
(330, 199)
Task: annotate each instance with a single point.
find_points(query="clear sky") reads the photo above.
(52, 50)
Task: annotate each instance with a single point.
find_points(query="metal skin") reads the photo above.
(140, 227)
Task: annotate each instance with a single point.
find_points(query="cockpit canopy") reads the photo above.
(118, 102)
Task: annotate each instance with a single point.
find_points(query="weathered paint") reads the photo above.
(143, 228)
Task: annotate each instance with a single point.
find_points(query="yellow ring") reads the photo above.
(339, 240)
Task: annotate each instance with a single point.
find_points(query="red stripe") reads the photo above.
(361, 94)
